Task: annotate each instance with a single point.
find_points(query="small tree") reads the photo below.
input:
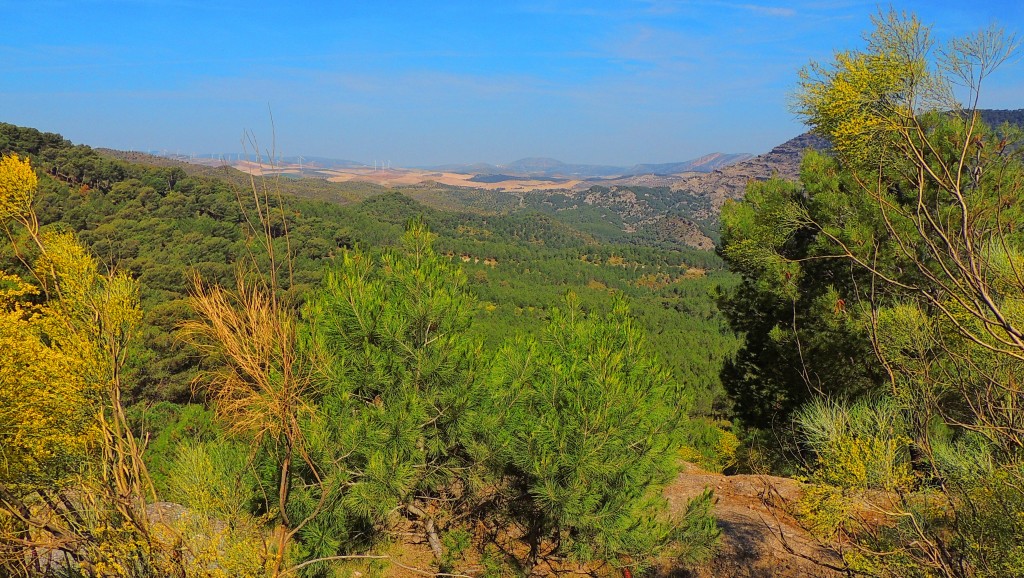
(397, 381)
(585, 435)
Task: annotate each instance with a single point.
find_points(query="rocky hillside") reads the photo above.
(704, 164)
(731, 182)
(687, 208)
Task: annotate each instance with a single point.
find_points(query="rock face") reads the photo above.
(677, 228)
(760, 539)
(731, 182)
(696, 198)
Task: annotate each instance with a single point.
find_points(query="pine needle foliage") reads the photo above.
(397, 382)
(585, 432)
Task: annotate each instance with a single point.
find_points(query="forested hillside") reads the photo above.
(238, 345)
(161, 226)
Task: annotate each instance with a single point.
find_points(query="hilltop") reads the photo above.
(640, 204)
(730, 182)
(526, 174)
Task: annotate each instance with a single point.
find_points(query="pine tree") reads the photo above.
(585, 433)
(397, 382)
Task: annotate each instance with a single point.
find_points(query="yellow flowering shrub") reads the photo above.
(67, 458)
(117, 552)
(212, 548)
(867, 462)
(823, 510)
(17, 186)
(47, 413)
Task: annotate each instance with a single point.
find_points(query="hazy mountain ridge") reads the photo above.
(644, 174)
(549, 167)
(680, 208)
(684, 207)
(704, 164)
(996, 116)
(731, 182)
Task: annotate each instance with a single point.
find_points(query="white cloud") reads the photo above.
(768, 10)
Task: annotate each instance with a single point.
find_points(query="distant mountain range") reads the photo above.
(669, 202)
(543, 168)
(531, 166)
(548, 167)
(534, 167)
(730, 182)
(704, 164)
(231, 158)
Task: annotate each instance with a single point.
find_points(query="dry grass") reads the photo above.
(257, 387)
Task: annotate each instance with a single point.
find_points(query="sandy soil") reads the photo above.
(413, 177)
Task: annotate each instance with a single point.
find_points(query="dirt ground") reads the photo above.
(400, 177)
(759, 538)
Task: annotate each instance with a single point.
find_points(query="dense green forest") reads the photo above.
(187, 418)
(161, 226)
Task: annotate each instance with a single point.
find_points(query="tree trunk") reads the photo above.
(533, 537)
(430, 529)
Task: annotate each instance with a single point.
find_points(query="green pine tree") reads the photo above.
(397, 380)
(585, 433)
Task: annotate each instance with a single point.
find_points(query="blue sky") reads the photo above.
(421, 83)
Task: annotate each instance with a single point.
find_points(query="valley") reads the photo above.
(601, 286)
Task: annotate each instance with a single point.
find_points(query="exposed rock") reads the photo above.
(680, 229)
(760, 539)
(731, 181)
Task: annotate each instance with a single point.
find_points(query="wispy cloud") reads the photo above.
(767, 10)
(655, 45)
(668, 7)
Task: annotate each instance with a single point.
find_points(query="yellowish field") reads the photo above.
(402, 177)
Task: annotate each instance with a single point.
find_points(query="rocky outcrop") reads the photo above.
(731, 181)
(679, 229)
(760, 539)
